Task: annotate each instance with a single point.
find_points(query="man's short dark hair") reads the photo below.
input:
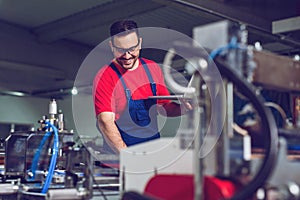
(123, 27)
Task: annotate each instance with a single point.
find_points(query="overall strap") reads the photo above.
(127, 91)
(152, 83)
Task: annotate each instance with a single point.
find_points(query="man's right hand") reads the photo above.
(106, 121)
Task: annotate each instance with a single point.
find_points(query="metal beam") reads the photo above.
(44, 71)
(93, 18)
(223, 10)
(286, 25)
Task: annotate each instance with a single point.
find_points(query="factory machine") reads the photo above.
(237, 143)
(51, 163)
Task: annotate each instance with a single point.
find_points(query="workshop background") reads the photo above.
(43, 45)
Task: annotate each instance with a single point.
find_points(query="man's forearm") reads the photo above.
(111, 133)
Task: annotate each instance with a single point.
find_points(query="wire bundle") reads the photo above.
(233, 44)
(53, 158)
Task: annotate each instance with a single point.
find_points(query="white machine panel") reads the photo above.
(140, 162)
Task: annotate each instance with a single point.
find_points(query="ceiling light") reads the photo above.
(74, 91)
(297, 57)
(258, 46)
(13, 93)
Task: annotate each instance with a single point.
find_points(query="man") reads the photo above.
(125, 114)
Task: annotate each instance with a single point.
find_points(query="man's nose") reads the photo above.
(127, 55)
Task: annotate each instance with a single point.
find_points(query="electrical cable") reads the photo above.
(175, 87)
(37, 155)
(280, 110)
(268, 123)
(53, 159)
(268, 127)
(232, 45)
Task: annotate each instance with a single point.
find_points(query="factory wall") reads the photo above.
(28, 110)
(24, 110)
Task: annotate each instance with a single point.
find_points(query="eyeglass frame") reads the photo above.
(130, 50)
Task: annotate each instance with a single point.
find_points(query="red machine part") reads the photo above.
(181, 187)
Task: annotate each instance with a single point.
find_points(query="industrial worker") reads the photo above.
(125, 114)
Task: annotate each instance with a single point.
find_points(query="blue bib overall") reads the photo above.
(138, 122)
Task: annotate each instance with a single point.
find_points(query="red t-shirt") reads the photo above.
(108, 91)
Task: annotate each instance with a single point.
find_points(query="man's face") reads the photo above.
(126, 49)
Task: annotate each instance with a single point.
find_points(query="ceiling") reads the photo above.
(43, 44)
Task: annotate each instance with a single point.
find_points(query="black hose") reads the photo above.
(269, 129)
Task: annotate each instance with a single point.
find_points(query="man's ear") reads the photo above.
(111, 46)
(140, 45)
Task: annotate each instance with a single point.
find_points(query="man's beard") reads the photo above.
(127, 63)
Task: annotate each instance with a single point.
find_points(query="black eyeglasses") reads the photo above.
(130, 50)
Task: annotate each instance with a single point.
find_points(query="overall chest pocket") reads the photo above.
(140, 113)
